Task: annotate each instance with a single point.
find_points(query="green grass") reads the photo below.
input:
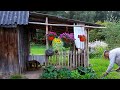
(101, 65)
(37, 50)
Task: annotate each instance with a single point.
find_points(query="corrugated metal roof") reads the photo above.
(14, 17)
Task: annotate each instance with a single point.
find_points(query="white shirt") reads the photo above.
(114, 56)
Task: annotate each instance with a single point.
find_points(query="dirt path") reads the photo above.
(33, 74)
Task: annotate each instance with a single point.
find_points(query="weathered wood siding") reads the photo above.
(23, 47)
(8, 50)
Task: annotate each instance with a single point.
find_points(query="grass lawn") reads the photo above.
(37, 50)
(100, 66)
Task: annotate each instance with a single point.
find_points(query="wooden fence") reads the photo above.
(69, 59)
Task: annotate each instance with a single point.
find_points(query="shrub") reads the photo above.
(75, 74)
(86, 72)
(82, 70)
(64, 73)
(97, 48)
(50, 72)
(110, 34)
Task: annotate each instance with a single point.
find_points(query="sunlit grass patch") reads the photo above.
(100, 66)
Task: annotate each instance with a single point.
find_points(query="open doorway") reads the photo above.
(37, 47)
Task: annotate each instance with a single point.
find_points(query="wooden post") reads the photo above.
(46, 33)
(88, 46)
(67, 30)
(86, 53)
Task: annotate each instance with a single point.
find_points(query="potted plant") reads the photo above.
(67, 38)
(51, 35)
(82, 38)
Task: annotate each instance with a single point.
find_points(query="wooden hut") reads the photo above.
(15, 29)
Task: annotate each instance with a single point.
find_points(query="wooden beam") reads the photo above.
(46, 32)
(65, 25)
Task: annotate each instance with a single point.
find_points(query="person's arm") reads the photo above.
(112, 60)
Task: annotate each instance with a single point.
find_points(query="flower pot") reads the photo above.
(50, 38)
(82, 38)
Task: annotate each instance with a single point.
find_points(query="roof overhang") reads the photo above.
(39, 17)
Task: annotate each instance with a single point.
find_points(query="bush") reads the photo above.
(64, 73)
(86, 72)
(110, 34)
(50, 72)
(75, 74)
(82, 70)
(97, 48)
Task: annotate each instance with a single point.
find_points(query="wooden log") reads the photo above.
(86, 51)
(87, 47)
(66, 25)
(46, 33)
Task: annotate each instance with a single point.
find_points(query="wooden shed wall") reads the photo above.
(8, 50)
(23, 46)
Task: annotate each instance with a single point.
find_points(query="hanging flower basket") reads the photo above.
(66, 37)
(66, 40)
(82, 38)
(50, 38)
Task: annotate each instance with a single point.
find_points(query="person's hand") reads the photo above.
(117, 70)
(105, 74)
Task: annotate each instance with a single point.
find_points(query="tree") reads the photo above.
(110, 34)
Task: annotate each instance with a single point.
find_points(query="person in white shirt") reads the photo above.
(114, 57)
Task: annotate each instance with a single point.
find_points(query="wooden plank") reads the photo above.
(19, 50)
(79, 58)
(74, 55)
(62, 57)
(59, 58)
(65, 58)
(8, 51)
(73, 59)
(68, 58)
(76, 58)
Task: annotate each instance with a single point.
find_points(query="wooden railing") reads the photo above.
(70, 59)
